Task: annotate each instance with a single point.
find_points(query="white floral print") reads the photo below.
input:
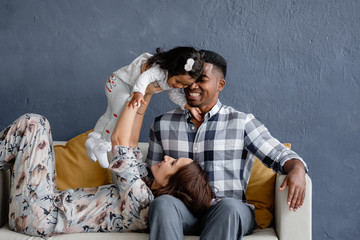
(37, 208)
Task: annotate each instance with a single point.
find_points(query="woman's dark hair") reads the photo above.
(175, 59)
(190, 184)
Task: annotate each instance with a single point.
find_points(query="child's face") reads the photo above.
(180, 81)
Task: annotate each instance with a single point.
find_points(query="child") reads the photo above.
(171, 70)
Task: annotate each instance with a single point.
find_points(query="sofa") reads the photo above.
(286, 225)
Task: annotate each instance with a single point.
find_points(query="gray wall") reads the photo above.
(293, 64)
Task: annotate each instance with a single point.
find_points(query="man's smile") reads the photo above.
(193, 95)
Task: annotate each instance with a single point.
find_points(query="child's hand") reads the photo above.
(136, 100)
(196, 112)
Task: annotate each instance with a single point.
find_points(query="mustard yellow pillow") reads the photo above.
(75, 169)
(260, 192)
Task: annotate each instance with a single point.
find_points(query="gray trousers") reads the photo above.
(229, 219)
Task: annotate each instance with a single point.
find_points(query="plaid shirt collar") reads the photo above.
(214, 110)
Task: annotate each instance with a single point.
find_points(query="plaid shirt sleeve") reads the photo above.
(268, 149)
(155, 152)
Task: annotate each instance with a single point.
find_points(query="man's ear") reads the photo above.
(221, 84)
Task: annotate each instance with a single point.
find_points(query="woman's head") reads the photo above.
(187, 181)
(179, 61)
(164, 170)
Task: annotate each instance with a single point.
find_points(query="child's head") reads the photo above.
(188, 182)
(184, 65)
(180, 81)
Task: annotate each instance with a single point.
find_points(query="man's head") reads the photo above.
(218, 61)
(204, 92)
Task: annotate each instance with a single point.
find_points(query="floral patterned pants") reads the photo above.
(27, 145)
(37, 208)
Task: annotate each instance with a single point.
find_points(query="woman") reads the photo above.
(38, 209)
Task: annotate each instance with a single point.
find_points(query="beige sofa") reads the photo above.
(288, 225)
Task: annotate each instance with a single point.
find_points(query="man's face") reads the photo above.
(204, 92)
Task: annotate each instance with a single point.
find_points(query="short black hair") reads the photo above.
(216, 59)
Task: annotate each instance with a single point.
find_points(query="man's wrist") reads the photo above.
(294, 164)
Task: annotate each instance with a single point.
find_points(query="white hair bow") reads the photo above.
(189, 64)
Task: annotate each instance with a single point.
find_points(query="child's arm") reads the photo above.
(196, 112)
(147, 77)
(151, 75)
(179, 98)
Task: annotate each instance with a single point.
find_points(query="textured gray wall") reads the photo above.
(294, 64)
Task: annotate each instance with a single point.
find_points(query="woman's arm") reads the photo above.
(150, 91)
(127, 129)
(123, 129)
(134, 139)
(135, 195)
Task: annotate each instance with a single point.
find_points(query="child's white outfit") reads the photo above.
(118, 88)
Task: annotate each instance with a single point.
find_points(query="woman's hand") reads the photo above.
(151, 89)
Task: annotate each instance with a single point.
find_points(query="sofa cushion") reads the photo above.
(260, 192)
(75, 169)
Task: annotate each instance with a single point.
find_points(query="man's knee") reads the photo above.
(164, 216)
(232, 206)
(232, 216)
(163, 206)
(233, 210)
(238, 211)
(170, 218)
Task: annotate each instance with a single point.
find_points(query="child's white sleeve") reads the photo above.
(151, 75)
(178, 97)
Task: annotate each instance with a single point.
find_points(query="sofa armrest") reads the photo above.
(293, 225)
(4, 196)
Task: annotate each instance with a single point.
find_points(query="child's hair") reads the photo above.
(175, 59)
(190, 184)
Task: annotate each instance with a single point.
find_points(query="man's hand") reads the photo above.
(295, 180)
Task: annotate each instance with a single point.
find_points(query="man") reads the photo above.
(223, 143)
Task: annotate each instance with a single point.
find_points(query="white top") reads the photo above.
(131, 74)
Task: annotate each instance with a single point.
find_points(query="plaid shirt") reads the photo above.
(224, 145)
